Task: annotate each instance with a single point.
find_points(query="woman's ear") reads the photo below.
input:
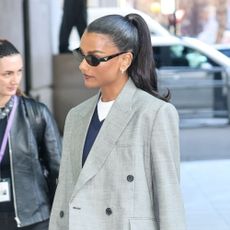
(127, 59)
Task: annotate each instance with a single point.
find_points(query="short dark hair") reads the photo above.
(7, 48)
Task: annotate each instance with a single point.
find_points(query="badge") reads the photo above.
(4, 190)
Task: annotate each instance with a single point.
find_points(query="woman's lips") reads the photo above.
(87, 76)
(12, 88)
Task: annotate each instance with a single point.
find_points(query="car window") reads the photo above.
(180, 56)
(225, 52)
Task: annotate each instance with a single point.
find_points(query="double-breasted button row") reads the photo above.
(108, 211)
(130, 178)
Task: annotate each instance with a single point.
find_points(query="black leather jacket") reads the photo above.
(35, 151)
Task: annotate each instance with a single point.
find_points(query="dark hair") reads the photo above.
(131, 33)
(7, 48)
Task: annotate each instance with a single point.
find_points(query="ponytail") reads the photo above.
(143, 70)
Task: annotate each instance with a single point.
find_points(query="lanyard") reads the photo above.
(8, 127)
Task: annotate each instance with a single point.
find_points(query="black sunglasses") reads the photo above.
(91, 59)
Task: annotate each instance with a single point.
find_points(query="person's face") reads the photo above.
(107, 74)
(10, 74)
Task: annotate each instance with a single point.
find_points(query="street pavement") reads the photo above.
(205, 175)
(205, 142)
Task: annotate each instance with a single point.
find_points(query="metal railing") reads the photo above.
(198, 93)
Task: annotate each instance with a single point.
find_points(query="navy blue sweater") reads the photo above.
(94, 128)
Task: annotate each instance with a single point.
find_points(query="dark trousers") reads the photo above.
(74, 15)
(7, 222)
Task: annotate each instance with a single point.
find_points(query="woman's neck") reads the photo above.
(4, 100)
(111, 93)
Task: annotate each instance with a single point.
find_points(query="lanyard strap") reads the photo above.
(8, 127)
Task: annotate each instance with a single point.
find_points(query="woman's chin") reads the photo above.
(90, 85)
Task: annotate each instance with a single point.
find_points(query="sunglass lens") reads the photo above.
(92, 60)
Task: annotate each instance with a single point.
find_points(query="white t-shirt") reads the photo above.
(103, 108)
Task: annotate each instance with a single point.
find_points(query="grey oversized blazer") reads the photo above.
(130, 180)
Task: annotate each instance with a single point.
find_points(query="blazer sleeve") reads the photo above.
(165, 166)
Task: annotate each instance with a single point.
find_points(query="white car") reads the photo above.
(196, 73)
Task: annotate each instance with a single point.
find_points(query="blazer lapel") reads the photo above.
(114, 124)
(79, 128)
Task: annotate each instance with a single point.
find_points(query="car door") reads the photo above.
(194, 80)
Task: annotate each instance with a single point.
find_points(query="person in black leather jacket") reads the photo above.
(30, 150)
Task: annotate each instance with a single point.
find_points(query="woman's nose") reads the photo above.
(16, 78)
(83, 65)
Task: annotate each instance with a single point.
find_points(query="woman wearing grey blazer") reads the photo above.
(120, 164)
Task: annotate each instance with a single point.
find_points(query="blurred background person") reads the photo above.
(74, 15)
(210, 25)
(30, 147)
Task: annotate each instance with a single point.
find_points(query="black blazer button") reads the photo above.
(61, 214)
(130, 178)
(108, 211)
